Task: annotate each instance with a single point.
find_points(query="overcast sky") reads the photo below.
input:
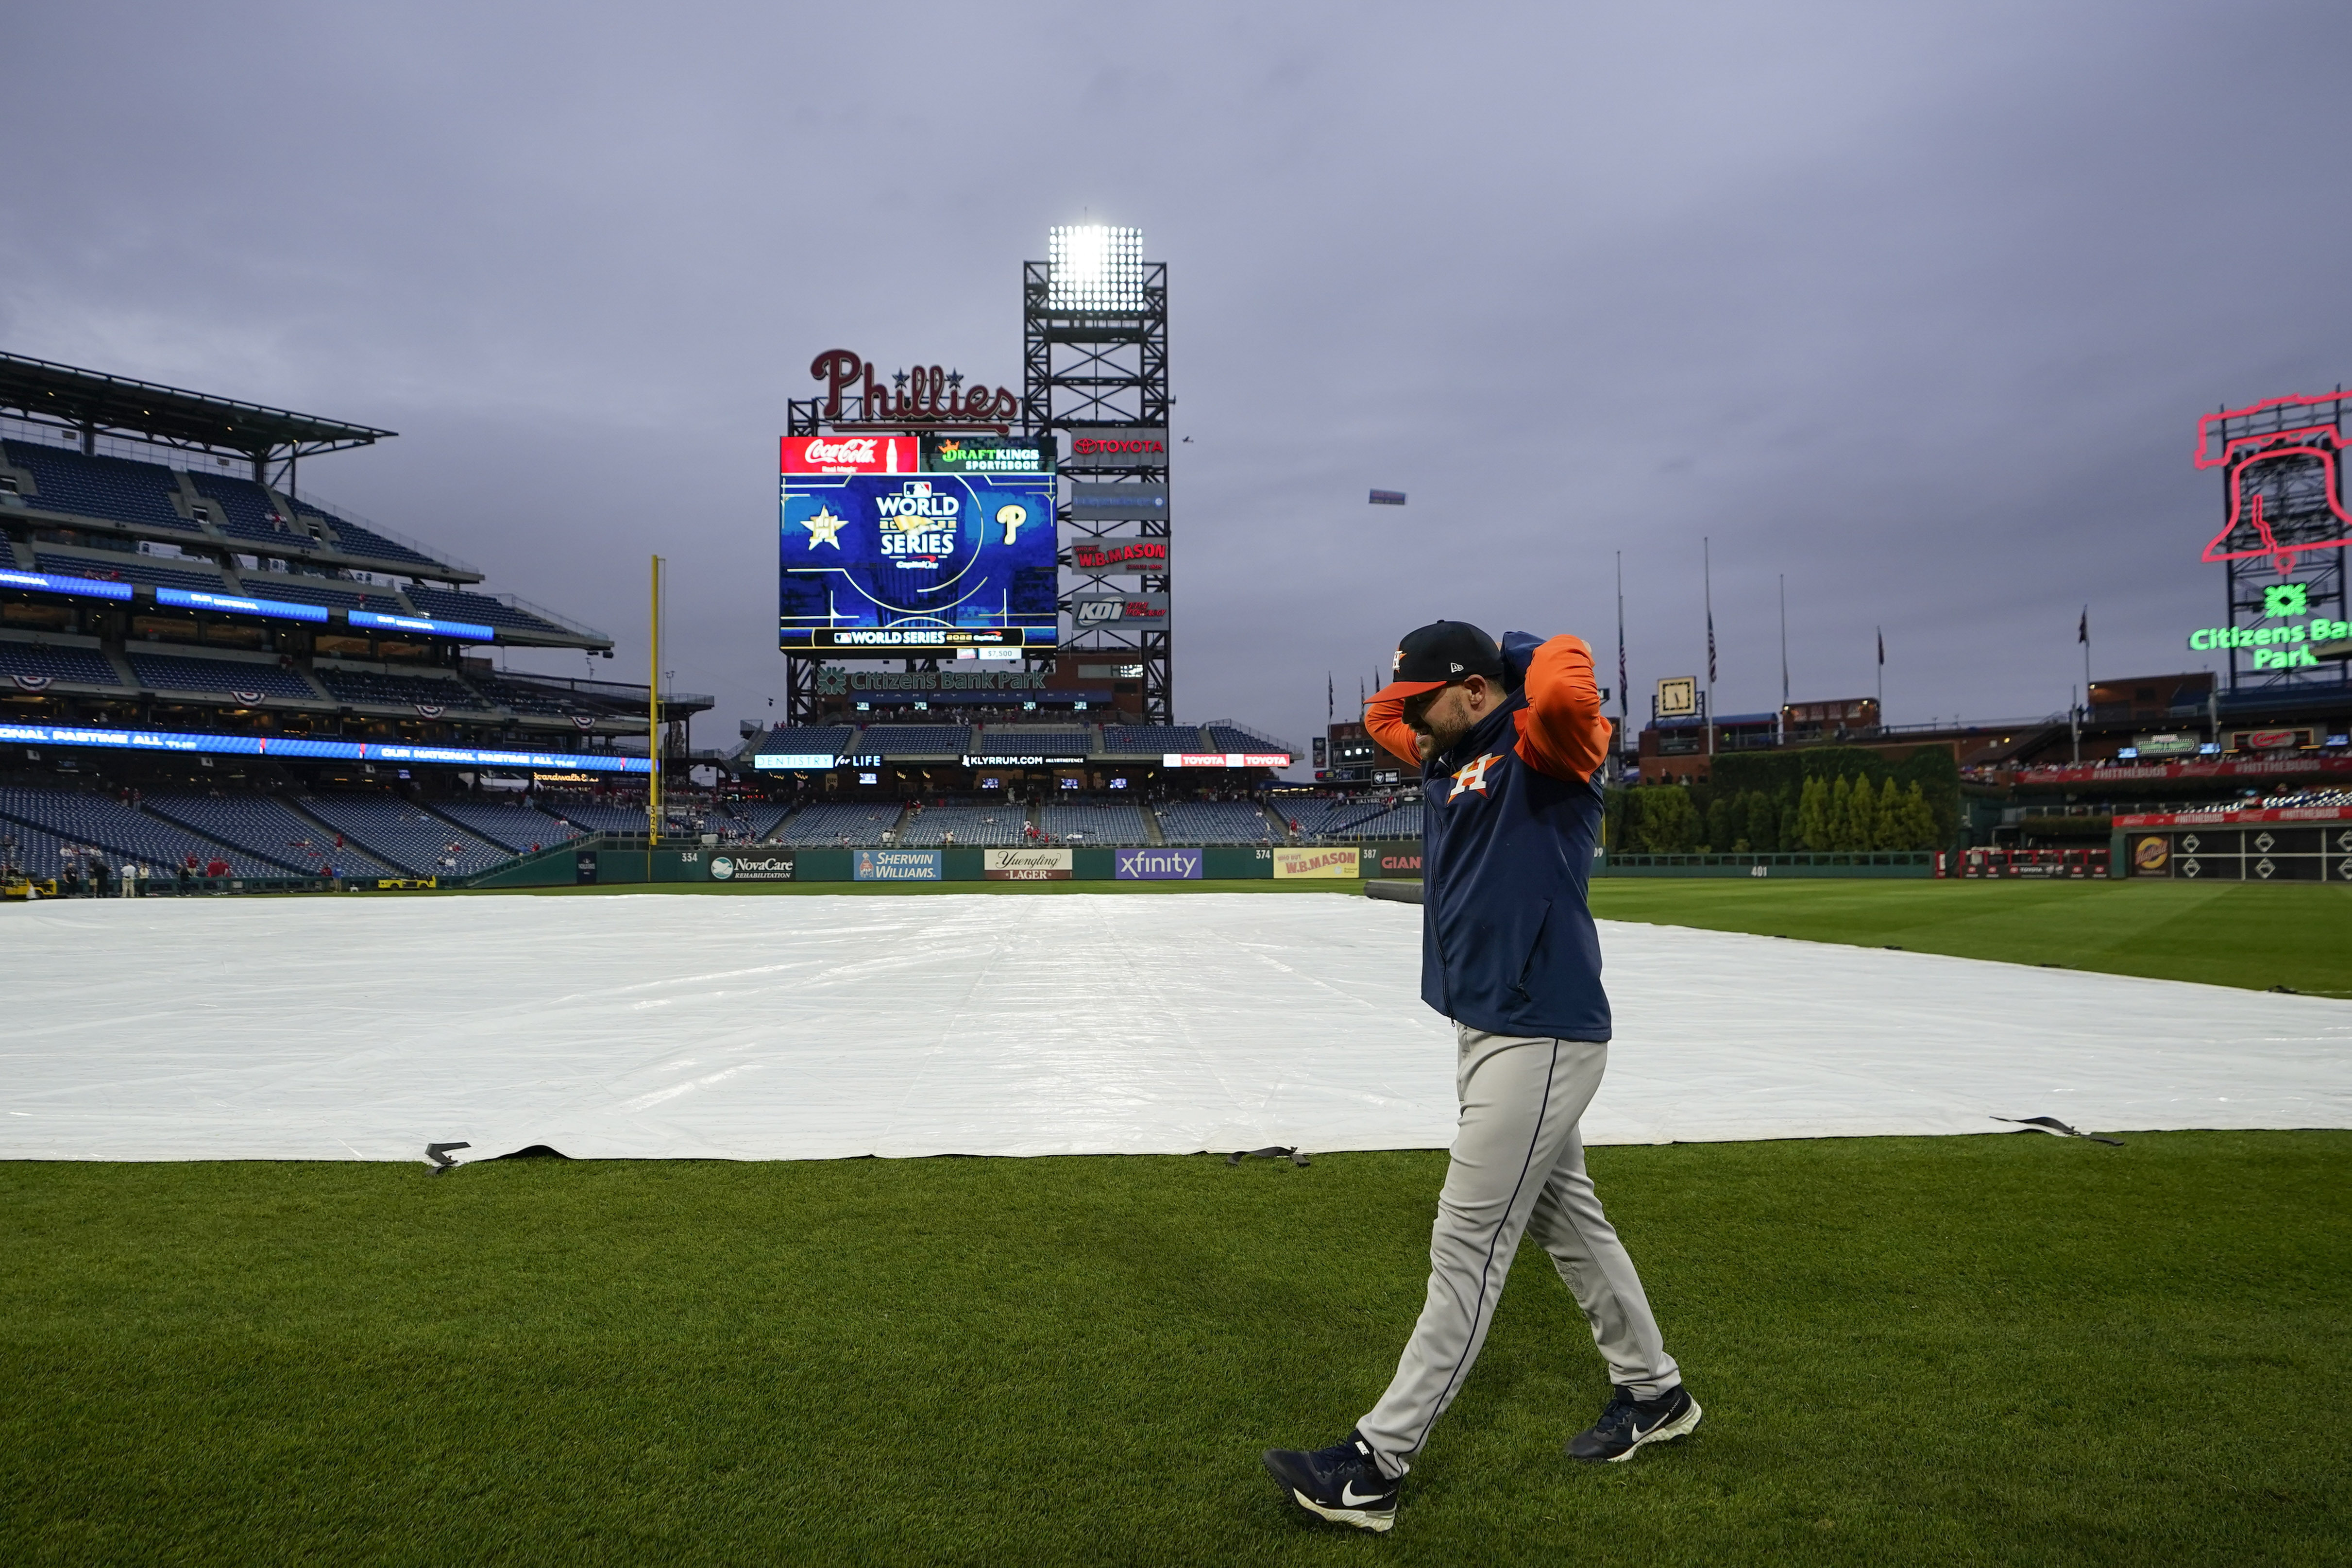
(1916, 305)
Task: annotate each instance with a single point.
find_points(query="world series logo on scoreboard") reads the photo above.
(888, 560)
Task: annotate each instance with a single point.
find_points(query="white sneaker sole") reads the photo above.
(1362, 1519)
(1662, 1432)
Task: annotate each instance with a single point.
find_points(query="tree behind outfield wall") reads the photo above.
(1932, 768)
(1663, 820)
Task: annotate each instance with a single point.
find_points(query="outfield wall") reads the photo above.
(596, 862)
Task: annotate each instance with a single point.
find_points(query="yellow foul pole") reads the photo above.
(652, 718)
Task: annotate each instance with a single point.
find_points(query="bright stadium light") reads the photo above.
(1090, 267)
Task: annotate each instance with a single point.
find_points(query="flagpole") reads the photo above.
(1780, 729)
(2086, 656)
(1623, 718)
(1882, 676)
(1707, 579)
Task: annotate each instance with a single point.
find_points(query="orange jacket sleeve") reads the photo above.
(1561, 730)
(1385, 721)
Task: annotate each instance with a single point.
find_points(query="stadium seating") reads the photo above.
(1094, 822)
(85, 666)
(759, 819)
(1225, 738)
(509, 822)
(915, 740)
(792, 741)
(262, 825)
(395, 691)
(329, 592)
(1153, 739)
(244, 510)
(1010, 742)
(38, 854)
(1214, 822)
(123, 830)
(113, 488)
(360, 541)
(1401, 820)
(968, 825)
(598, 815)
(545, 701)
(1326, 816)
(413, 839)
(172, 672)
(448, 604)
(126, 567)
(853, 822)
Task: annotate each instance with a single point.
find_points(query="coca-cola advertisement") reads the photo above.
(851, 455)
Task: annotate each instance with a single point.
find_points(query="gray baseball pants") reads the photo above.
(1518, 1168)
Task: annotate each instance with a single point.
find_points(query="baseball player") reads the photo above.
(1509, 740)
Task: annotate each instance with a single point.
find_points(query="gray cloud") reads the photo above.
(1916, 304)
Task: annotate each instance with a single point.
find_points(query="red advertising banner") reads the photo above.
(1224, 759)
(851, 455)
(2224, 819)
(1137, 556)
(2125, 773)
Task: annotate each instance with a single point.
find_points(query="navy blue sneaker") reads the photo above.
(1341, 1483)
(1628, 1423)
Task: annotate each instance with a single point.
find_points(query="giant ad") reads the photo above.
(887, 561)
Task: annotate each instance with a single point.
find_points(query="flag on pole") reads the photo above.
(1330, 696)
(1710, 646)
(2083, 627)
(1882, 644)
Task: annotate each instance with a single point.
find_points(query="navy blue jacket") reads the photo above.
(1510, 815)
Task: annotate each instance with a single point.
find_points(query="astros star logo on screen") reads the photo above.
(824, 528)
(1473, 777)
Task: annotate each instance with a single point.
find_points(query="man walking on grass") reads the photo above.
(1509, 741)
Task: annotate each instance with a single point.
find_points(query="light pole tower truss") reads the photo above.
(1094, 342)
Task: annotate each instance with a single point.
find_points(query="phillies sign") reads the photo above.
(928, 396)
(850, 454)
(1135, 556)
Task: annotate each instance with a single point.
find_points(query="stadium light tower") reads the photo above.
(1092, 267)
(1095, 367)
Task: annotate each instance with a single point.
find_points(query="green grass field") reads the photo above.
(2007, 1349)
(2251, 934)
(2004, 1349)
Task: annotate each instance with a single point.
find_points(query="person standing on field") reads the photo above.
(1509, 741)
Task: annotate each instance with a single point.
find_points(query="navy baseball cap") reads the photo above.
(1438, 654)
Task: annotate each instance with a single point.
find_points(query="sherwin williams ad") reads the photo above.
(897, 866)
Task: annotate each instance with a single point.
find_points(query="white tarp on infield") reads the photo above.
(810, 1027)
